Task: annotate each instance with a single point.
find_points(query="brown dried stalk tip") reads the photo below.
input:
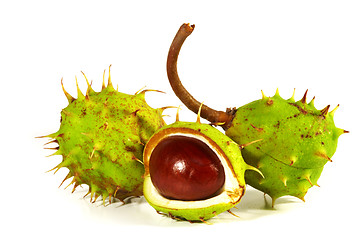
(216, 117)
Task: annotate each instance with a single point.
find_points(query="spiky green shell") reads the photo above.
(230, 154)
(297, 141)
(101, 139)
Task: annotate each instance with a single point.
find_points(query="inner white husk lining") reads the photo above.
(231, 185)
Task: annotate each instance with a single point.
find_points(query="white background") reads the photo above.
(238, 48)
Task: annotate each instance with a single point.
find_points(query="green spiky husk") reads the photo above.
(297, 141)
(202, 209)
(101, 139)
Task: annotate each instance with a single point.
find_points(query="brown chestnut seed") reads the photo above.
(185, 168)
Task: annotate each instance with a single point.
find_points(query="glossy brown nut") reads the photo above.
(185, 168)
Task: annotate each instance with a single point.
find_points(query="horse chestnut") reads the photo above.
(185, 168)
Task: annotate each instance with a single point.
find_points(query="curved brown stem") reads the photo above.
(216, 117)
